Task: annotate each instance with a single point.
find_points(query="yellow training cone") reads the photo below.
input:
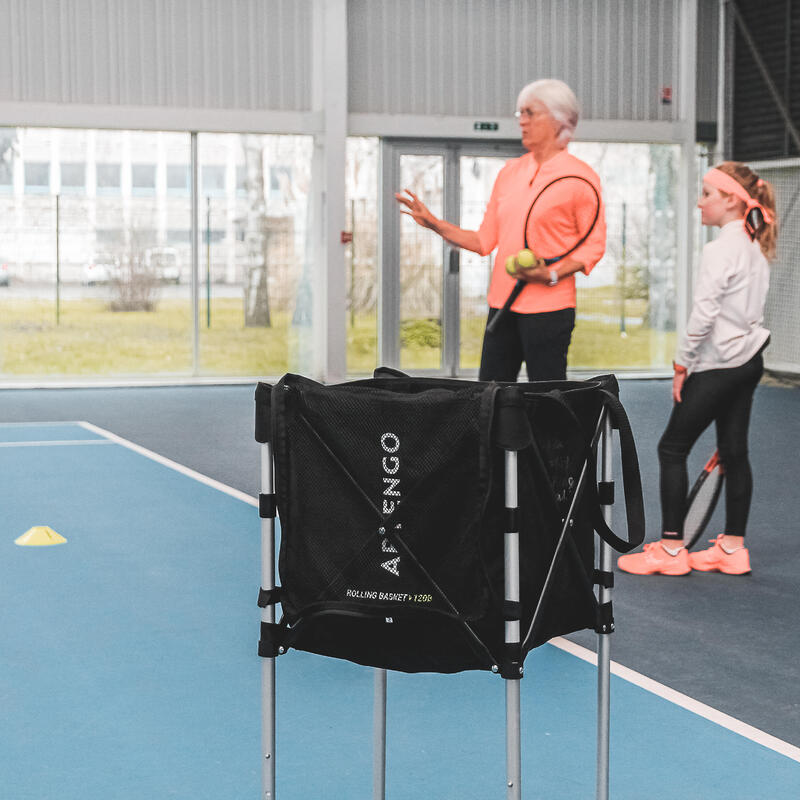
(40, 536)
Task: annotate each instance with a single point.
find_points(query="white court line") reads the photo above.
(55, 442)
(198, 476)
(684, 701)
(38, 424)
(627, 674)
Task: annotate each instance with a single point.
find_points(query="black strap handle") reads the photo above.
(631, 481)
(631, 478)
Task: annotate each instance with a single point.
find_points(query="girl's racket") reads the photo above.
(570, 207)
(702, 500)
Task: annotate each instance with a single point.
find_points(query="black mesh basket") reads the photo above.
(390, 493)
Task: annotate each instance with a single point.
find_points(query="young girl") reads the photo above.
(717, 368)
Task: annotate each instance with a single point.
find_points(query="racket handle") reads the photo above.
(512, 296)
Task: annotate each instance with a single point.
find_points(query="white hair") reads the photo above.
(558, 99)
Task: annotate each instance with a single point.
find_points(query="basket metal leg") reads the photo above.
(267, 615)
(379, 736)
(513, 744)
(512, 634)
(604, 639)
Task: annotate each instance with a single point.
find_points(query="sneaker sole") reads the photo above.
(659, 572)
(720, 569)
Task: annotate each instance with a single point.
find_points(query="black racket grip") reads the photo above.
(512, 296)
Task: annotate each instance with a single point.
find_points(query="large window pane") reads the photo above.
(477, 177)
(421, 267)
(101, 300)
(256, 282)
(362, 252)
(626, 306)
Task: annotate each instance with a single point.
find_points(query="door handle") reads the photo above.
(454, 262)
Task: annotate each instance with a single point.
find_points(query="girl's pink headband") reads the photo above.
(725, 183)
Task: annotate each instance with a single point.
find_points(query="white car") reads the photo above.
(103, 268)
(165, 263)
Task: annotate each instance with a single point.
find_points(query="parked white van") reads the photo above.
(164, 262)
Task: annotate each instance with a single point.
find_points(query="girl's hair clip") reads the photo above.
(759, 183)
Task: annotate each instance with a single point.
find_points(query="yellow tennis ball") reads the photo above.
(525, 258)
(511, 267)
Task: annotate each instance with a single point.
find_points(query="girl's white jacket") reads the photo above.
(726, 326)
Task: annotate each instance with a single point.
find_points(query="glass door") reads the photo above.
(432, 296)
(477, 175)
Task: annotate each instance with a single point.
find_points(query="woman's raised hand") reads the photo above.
(416, 209)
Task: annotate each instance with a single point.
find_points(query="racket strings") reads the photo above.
(561, 217)
(701, 507)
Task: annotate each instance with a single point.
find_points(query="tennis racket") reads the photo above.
(702, 500)
(580, 217)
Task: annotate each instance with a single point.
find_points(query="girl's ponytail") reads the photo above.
(762, 191)
(767, 235)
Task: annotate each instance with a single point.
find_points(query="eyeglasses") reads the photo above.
(527, 113)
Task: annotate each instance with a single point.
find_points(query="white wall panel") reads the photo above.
(232, 63)
(203, 54)
(470, 57)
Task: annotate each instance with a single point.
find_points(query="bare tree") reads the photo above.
(135, 285)
(256, 236)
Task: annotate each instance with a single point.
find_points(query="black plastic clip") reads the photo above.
(605, 493)
(267, 506)
(268, 597)
(511, 668)
(512, 520)
(605, 618)
(512, 610)
(271, 642)
(604, 579)
(512, 430)
(263, 404)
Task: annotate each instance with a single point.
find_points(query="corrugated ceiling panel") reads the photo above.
(238, 54)
(470, 57)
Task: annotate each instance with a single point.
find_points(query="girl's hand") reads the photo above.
(678, 379)
(417, 210)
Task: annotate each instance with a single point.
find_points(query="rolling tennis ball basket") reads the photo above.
(436, 525)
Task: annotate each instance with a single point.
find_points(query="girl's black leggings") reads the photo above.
(725, 397)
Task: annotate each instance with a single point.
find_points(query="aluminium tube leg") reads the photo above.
(379, 736)
(604, 636)
(267, 615)
(512, 631)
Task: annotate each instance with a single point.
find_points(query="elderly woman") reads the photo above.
(538, 328)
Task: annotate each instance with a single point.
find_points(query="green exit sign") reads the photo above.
(485, 126)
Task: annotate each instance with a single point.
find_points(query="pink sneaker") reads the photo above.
(655, 560)
(716, 559)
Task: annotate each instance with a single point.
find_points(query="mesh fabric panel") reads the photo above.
(391, 498)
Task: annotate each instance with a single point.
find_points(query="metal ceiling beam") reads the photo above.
(762, 68)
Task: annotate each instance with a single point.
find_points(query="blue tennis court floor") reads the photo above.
(128, 667)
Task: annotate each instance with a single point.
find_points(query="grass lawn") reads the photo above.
(92, 340)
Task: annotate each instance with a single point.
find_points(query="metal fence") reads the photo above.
(781, 313)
